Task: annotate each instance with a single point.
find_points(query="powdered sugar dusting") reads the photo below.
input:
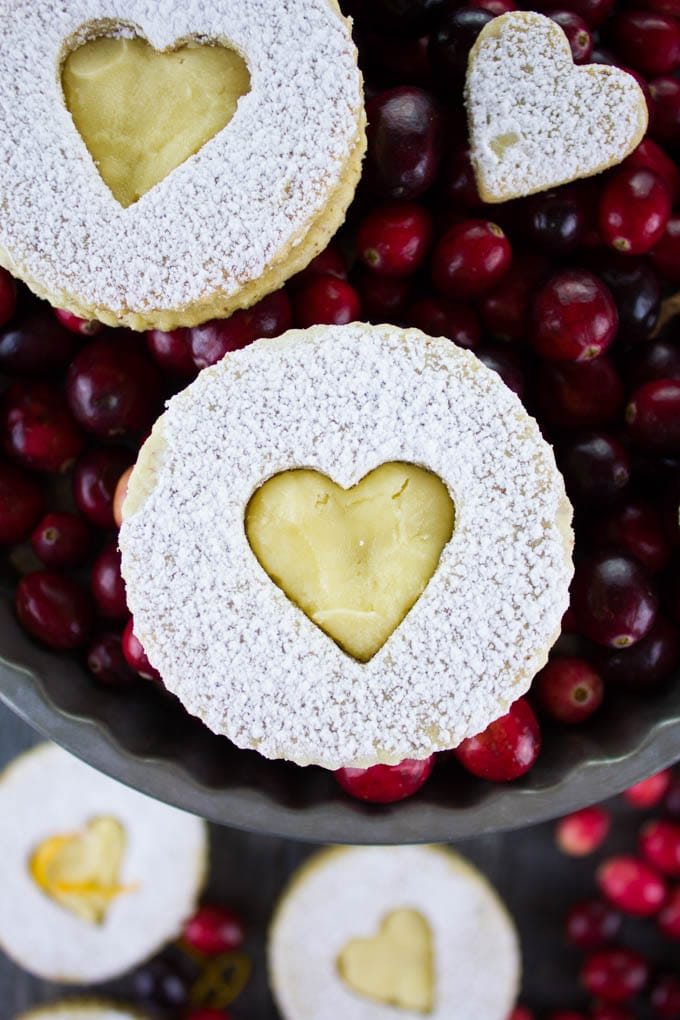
(343, 400)
(222, 217)
(341, 895)
(536, 120)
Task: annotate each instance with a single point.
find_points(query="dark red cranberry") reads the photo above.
(636, 528)
(384, 784)
(634, 210)
(437, 316)
(565, 1014)
(554, 220)
(636, 290)
(522, 1013)
(382, 298)
(210, 1014)
(107, 664)
(583, 832)
(397, 61)
(458, 182)
(74, 324)
(8, 296)
(495, 7)
(610, 1011)
(506, 749)
(412, 18)
(665, 119)
(614, 600)
(54, 609)
(404, 142)
(108, 586)
(591, 924)
(506, 309)
(596, 468)
(653, 415)
(210, 342)
(578, 34)
(574, 317)
(62, 541)
(665, 997)
(650, 156)
(470, 259)
(670, 7)
(615, 975)
(214, 930)
(660, 846)
(114, 388)
(161, 983)
(21, 504)
(665, 256)
(393, 240)
(35, 344)
(450, 47)
(672, 801)
(579, 394)
(668, 919)
(657, 359)
(172, 351)
(506, 363)
(38, 429)
(650, 791)
(95, 479)
(630, 885)
(569, 689)
(649, 663)
(329, 262)
(593, 12)
(135, 655)
(326, 300)
(647, 41)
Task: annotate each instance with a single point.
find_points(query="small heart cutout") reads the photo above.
(535, 119)
(141, 113)
(396, 966)
(81, 870)
(354, 560)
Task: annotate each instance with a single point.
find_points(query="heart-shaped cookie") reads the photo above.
(396, 966)
(354, 560)
(535, 120)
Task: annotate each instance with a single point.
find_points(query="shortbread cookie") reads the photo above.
(379, 933)
(382, 622)
(164, 164)
(95, 877)
(82, 1009)
(536, 120)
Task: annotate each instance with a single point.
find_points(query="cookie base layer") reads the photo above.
(83, 1009)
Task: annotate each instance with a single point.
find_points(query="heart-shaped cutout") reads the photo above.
(354, 560)
(535, 120)
(80, 871)
(141, 112)
(396, 966)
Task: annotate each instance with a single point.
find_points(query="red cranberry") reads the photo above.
(382, 298)
(457, 179)
(647, 41)
(669, 915)
(649, 792)
(614, 600)
(54, 609)
(37, 427)
(396, 61)
(636, 290)
(653, 415)
(574, 317)
(108, 586)
(62, 541)
(107, 664)
(578, 34)
(632, 886)
(672, 798)
(82, 327)
(383, 784)
(591, 924)
(35, 344)
(665, 997)
(21, 504)
(650, 156)
(593, 12)
(522, 1013)
(656, 359)
(506, 363)
(583, 832)
(393, 240)
(450, 47)
(495, 7)
(135, 655)
(596, 468)
(95, 479)
(329, 262)
(470, 259)
(660, 845)
(172, 351)
(506, 749)
(575, 395)
(671, 7)
(208, 1014)
(554, 220)
(326, 300)
(505, 311)
(210, 342)
(665, 118)
(615, 975)
(404, 142)
(8, 296)
(214, 930)
(636, 528)
(439, 317)
(649, 663)
(113, 388)
(569, 689)
(665, 255)
(634, 210)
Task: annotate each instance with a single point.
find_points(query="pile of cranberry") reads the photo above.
(560, 293)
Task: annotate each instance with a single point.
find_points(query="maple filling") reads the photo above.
(354, 560)
(141, 112)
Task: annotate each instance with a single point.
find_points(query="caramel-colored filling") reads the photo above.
(354, 560)
(142, 113)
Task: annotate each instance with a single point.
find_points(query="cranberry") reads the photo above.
(647, 41)
(653, 415)
(665, 997)
(213, 930)
(596, 468)
(404, 142)
(495, 7)
(95, 479)
(610, 1011)
(208, 1014)
(74, 324)
(578, 34)
(38, 429)
(650, 156)
(172, 351)
(631, 885)
(403, 17)
(135, 655)
(634, 210)
(671, 7)
(107, 664)
(593, 12)
(666, 255)
(62, 541)
(54, 609)
(393, 240)
(329, 262)
(161, 983)
(569, 690)
(591, 924)
(657, 359)
(470, 259)
(506, 749)
(650, 791)
(636, 528)
(672, 798)
(382, 298)
(636, 290)
(566, 1014)
(554, 220)
(458, 181)
(522, 1013)
(669, 915)
(108, 586)
(660, 845)
(210, 342)
(439, 317)
(113, 388)
(326, 300)
(506, 309)
(21, 504)
(506, 363)
(574, 317)
(615, 975)
(583, 832)
(665, 119)
(450, 47)
(614, 600)
(35, 344)
(574, 394)
(8, 296)
(383, 784)
(397, 61)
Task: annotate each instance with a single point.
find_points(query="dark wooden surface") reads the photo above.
(248, 872)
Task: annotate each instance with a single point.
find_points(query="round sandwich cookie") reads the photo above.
(83, 1009)
(347, 545)
(165, 164)
(378, 933)
(96, 877)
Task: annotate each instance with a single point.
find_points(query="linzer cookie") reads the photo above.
(83, 1009)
